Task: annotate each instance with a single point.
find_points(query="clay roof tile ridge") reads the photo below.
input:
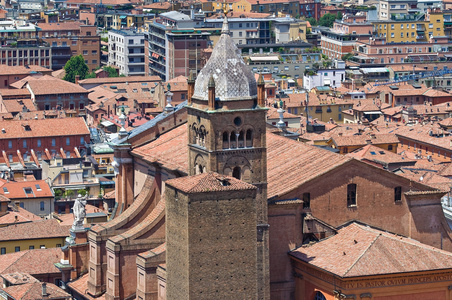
(362, 254)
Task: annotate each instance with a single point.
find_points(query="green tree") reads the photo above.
(339, 15)
(75, 66)
(347, 56)
(111, 72)
(312, 21)
(327, 20)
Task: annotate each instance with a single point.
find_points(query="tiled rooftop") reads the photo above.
(26, 262)
(209, 182)
(285, 159)
(43, 128)
(359, 250)
(34, 230)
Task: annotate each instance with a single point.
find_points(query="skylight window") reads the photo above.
(38, 187)
(373, 153)
(5, 190)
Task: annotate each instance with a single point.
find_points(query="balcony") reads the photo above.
(420, 28)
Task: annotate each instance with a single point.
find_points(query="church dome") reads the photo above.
(233, 79)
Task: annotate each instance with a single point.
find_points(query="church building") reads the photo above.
(214, 203)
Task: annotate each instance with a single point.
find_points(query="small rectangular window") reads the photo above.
(3, 251)
(31, 247)
(17, 248)
(306, 200)
(351, 195)
(398, 194)
(42, 206)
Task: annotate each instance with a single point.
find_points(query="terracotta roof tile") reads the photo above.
(25, 261)
(358, 250)
(379, 155)
(19, 70)
(129, 79)
(59, 26)
(361, 140)
(19, 216)
(34, 230)
(43, 128)
(33, 291)
(80, 285)
(48, 85)
(285, 159)
(209, 182)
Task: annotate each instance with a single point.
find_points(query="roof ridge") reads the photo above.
(31, 288)
(406, 240)
(364, 252)
(25, 252)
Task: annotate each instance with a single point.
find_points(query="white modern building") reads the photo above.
(126, 51)
(332, 77)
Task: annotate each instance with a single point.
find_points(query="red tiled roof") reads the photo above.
(33, 291)
(129, 79)
(379, 155)
(18, 105)
(80, 285)
(34, 230)
(15, 92)
(361, 140)
(285, 159)
(358, 250)
(17, 70)
(26, 262)
(209, 182)
(59, 26)
(48, 85)
(19, 216)
(43, 128)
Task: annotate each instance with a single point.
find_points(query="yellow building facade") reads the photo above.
(20, 245)
(410, 29)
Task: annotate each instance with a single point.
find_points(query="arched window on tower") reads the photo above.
(241, 139)
(233, 140)
(225, 140)
(249, 138)
(202, 135)
(195, 135)
(236, 173)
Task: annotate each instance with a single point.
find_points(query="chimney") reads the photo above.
(77, 79)
(191, 87)
(211, 99)
(368, 141)
(261, 91)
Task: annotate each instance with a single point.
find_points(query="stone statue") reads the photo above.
(79, 212)
(115, 165)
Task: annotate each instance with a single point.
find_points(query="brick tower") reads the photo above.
(227, 136)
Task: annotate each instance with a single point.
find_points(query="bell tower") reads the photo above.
(227, 133)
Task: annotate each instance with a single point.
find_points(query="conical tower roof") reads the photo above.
(233, 79)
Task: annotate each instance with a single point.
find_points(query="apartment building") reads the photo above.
(341, 39)
(332, 77)
(71, 39)
(377, 51)
(411, 28)
(126, 51)
(285, 7)
(174, 46)
(388, 8)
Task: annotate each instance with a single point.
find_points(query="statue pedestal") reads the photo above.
(77, 244)
(78, 236)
